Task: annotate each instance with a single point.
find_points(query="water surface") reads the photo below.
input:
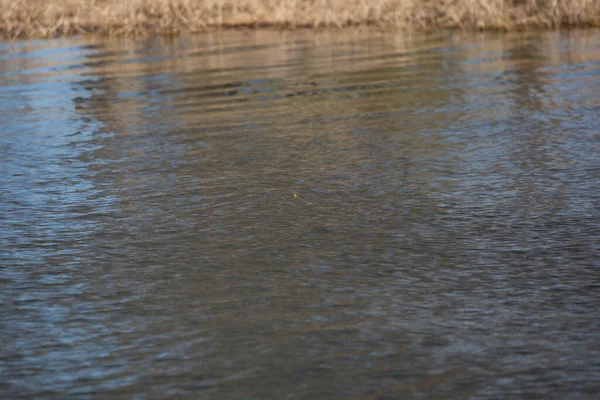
(444, 242)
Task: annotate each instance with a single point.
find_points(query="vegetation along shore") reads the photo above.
(51, 18)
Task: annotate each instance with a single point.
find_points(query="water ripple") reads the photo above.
(442, 241)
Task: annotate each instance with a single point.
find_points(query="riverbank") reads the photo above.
(52, 18)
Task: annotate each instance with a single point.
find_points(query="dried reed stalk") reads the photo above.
(51, 18)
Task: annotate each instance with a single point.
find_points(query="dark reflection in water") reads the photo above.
(444, 242)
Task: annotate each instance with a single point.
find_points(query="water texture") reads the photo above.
(443, 243)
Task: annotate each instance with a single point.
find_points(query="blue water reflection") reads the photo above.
(443, 242)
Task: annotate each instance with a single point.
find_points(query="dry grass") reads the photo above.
(50, 18)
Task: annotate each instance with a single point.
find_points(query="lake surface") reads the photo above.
(301, 215)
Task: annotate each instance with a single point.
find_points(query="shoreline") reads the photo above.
(34, 19)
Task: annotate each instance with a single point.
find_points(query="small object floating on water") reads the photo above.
(296, 196)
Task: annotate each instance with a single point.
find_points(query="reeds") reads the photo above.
(51, 18)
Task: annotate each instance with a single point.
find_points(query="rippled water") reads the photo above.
(444, 242)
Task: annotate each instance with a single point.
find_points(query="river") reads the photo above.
(301, 215)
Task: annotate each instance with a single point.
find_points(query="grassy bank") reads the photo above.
(50, 18)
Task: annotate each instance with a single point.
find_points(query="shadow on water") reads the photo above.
(444, 242)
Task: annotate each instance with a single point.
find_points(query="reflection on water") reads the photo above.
(444, 242)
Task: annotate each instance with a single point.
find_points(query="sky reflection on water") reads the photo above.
(444, 243)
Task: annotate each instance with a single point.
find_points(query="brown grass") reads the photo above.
(50, 18)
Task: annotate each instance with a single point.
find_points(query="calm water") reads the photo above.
(445, 242)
